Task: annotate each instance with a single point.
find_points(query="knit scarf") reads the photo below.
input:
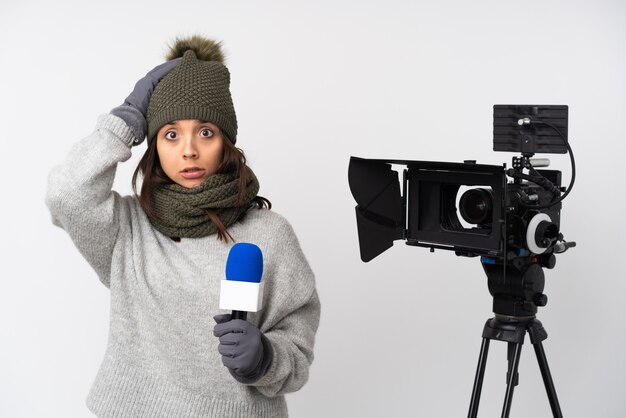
(184, 211)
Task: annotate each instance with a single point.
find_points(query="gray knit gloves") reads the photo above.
(133, 110)
(245, 350)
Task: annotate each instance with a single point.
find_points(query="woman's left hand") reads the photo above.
(241, 345)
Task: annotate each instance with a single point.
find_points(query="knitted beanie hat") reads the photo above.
(197, 88)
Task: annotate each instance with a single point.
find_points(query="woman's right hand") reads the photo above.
(135, 106)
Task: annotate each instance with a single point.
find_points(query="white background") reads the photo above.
(313, 84)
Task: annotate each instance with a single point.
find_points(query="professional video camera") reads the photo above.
(513, 225)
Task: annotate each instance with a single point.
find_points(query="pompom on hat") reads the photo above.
(197, 88)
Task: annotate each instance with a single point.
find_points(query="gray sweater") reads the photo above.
(161, 358)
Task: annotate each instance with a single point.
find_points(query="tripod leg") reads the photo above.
(478, 381)
(510, 385)
(509, 356)
(547, 380)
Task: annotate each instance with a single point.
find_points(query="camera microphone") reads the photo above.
(242, 290)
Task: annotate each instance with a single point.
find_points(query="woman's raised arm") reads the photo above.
(79, 194)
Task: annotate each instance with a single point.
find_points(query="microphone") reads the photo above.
(242, 290)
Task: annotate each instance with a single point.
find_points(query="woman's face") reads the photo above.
(187, 143)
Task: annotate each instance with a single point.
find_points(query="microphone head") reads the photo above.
(245, 263)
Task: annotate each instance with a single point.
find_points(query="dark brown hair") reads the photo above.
(153, 175)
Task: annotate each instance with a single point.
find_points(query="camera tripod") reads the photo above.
(516, 291)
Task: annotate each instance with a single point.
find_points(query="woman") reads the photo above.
(162, 253)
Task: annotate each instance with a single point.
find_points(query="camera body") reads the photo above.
(436, 197)
(496, 213)
(472, 209)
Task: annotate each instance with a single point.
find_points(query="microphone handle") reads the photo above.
(240, 315)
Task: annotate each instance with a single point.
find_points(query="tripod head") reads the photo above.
(517, 281)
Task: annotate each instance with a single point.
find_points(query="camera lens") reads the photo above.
(475, 206)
